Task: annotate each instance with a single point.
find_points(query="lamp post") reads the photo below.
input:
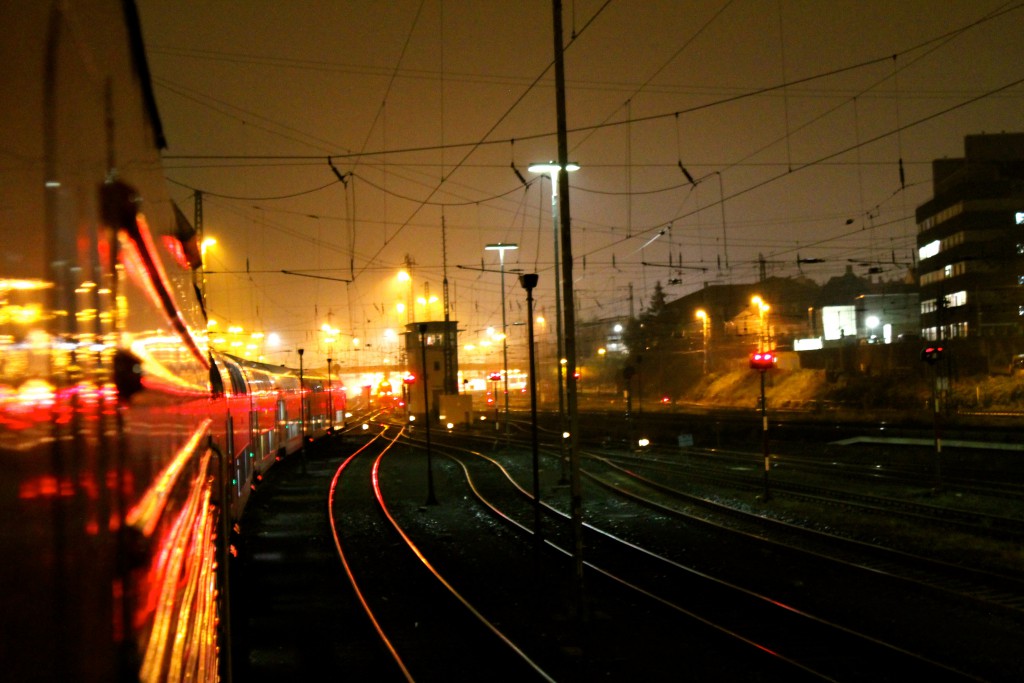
(551, 169)
(501, 249)
(569, 314)
(704, 323)
(528, 282)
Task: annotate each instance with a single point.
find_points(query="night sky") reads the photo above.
(798, 114)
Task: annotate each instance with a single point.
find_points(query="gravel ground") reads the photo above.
(295, 615)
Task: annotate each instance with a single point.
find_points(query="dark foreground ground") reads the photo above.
(295, 616)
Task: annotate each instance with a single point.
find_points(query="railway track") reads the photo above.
(993, 590)
(767, 623)
(466, 590)
(848, 464)
(430, 629)
(743, 473)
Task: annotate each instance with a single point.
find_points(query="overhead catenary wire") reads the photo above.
(830, 155)
(408, 196)
(473, 147)
(484, 141)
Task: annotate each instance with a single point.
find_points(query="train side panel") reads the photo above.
(109, 512)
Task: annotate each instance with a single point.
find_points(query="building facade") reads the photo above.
(970, 242)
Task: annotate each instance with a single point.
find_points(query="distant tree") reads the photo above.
(658, 302)
(634, 336)
(647, 331)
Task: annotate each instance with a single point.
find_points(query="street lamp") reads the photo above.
(528, 282)
(501, 249)
(705, 322)
(551, 169)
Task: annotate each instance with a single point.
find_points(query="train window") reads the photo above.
(237, 381)
(259, 382)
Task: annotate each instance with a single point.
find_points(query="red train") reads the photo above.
(128, 446)
(264, 419)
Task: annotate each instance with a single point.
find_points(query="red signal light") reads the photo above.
(762, 360)
(495, 376)
(409, 379)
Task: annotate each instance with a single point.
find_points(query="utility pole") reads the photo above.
(569, 308)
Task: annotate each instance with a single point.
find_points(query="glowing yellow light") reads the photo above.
(211, 323)
(601, 351)
(234, 329)
(403, 276)
(257, 335)
(540, 320)
(23, 285)
(400, 307)
(21, 315)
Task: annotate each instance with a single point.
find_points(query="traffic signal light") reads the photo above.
(495, 376)
(931, 354)
(409, 379)
(762, 360)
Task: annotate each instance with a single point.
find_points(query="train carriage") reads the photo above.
(128, 445)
